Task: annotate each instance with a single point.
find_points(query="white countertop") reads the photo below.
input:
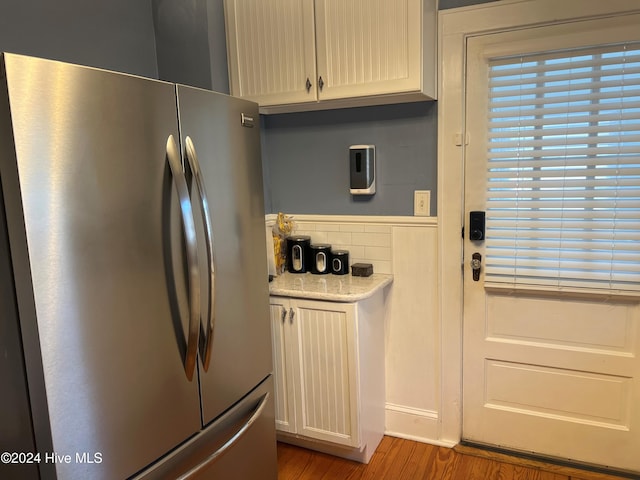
(333, 288)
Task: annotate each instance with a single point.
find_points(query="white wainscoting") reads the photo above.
(406, 247)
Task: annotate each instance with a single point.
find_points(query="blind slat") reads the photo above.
(523, 115)
(521, 234)
(552, 194)
(524, 173)
(595, 182)
(595, 256)
(524, 123)
(505, 244)
(571, 97)
(571, 78)
(580, 129)
(513, 213)
(563, 152)
(573, 142)
(568, 204)
(582, 224)
(508, 67)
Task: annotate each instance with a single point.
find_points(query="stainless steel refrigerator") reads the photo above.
(134, 329)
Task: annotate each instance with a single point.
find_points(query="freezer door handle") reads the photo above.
(188, 225)
(232, 440)
(206, 332)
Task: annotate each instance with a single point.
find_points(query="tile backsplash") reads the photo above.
(366, 243)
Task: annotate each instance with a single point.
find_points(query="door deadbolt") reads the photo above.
(476, 226)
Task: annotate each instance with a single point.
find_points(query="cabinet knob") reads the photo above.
(292, 314)
(308, 85)
(284, 314)
(320, 83)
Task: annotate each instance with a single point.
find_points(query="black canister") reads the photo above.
(340, 262)
(298, 253)
(320, 259)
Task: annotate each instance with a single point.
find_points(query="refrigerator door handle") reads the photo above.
(206, 333)
(188, 225)
(232, 441)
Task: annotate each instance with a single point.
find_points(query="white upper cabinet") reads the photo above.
(368, 47)
(293, 55)
(271, 50)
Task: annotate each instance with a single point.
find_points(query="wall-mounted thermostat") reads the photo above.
(362, 168)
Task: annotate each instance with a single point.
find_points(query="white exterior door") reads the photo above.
(551, 369)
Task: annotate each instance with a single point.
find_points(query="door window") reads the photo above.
(563, 166)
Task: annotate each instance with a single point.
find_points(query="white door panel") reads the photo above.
(546, 370)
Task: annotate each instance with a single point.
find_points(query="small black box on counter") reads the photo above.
(361, 269)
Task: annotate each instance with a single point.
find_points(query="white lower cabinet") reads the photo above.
(329, 374)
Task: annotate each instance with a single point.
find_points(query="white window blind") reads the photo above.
(563, 163)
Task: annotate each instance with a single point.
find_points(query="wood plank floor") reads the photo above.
(398, 459)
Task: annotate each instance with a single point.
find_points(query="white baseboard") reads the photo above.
(414, 424)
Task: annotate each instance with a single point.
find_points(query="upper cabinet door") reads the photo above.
(271, 48)
(368, 47)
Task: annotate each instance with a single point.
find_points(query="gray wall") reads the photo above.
(217, 46)
(191, 43)
(114, 34)
(182, 41)
(307, 156)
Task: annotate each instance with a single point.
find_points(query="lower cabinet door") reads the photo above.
(325, 338)
(283, 364)
(315, 369)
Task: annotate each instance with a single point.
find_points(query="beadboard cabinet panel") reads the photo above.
(271, 50)
(368, 47)
(315, 370)
(328, 373)
(367, 52)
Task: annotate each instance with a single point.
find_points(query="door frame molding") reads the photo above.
(455, 26)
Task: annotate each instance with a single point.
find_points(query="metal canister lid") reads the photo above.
(299, 238)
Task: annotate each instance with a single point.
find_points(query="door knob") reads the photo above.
(476, 261)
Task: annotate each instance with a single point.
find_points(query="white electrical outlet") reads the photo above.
(422, 203)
